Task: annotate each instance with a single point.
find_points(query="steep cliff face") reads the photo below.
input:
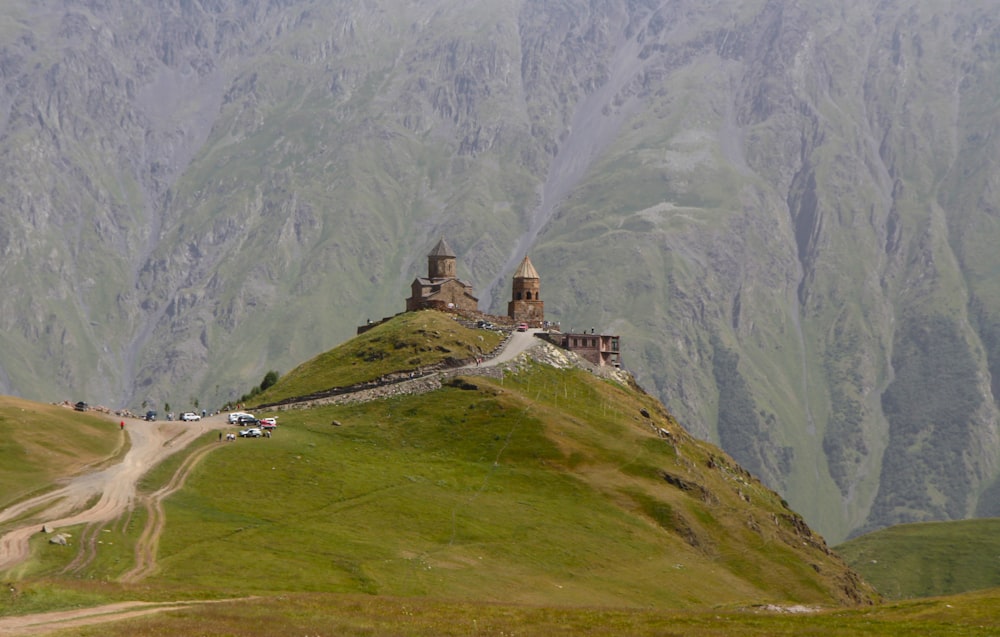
(788, 211)
(794, 219)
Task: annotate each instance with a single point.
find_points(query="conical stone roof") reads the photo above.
(526, 270)
(442, 249)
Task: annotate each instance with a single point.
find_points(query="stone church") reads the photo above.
(441, 289)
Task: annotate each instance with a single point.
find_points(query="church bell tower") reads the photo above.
(526, 305)
(441, 262)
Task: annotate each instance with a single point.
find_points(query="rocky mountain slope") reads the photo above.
(787, 210)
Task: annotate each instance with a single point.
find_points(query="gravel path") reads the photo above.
(114, 488)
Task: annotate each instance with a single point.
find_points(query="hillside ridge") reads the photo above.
(487, 474)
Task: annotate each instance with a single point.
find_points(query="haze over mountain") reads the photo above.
(788, 210)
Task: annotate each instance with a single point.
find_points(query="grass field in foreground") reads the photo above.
(971, 615)
(932, 558)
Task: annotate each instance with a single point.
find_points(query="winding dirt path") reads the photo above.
(114, 488)
(152, 442)
(42, 623)
(145, 550)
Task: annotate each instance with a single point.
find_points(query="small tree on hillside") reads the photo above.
(270, 378)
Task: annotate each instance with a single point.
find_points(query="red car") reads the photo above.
(522, 327)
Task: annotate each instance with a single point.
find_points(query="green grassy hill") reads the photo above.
(548, 501)
(549, 486)
(410, 341)
(929, 559)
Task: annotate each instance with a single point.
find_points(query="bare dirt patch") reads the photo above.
(101, 496)
(47, 622)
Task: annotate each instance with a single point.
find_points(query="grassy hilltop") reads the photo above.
(548, 487)
(548, 500)
(410, 342)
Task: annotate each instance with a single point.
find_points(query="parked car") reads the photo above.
(272, 422)
(236, 415)
(522, 327)
(80, 406)
(253, 432)
(247, 421)
(190, 416)
(150, 415)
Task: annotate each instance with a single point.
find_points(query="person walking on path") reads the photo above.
(123, 425)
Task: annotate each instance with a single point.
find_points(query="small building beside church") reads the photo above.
(441, 289)
(599, 349)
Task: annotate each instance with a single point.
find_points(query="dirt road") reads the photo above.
(114, 487)
(519, 342)
(42, 623)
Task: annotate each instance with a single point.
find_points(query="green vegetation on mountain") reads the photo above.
(740, 429)
(197, 193)
(932, 403)
(928, 559)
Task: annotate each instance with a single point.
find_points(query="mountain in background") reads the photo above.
(787, 210)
